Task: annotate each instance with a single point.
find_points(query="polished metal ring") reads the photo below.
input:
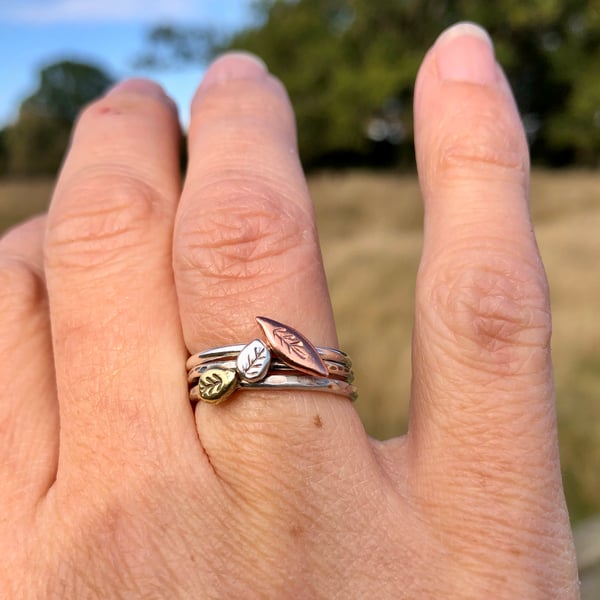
(223, 352)
(273, 382)
(335, 370)
(287, 360)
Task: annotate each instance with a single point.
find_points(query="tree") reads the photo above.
(36, 143)
(350, 67)
(64, 88)
(3, 152)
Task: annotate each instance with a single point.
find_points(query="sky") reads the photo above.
(106, 33)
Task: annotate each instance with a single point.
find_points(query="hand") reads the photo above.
(113, 487)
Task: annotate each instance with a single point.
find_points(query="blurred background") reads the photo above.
(350, 67)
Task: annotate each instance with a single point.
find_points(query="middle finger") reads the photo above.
(246, 245)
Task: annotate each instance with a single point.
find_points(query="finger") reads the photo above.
(117, 341)
(482, 424)
(246, 245)
(28, 407)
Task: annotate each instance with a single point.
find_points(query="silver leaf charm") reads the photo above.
(292, 347)
(253, 361)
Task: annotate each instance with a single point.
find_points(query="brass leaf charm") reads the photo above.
(292, 347)
(253, 361)
(215, 385)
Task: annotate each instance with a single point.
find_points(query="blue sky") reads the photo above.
(108, 33)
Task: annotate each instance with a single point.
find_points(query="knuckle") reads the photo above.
(488, 146)
(497, 311)
(21, 288)
(99, 216)
(503, 435)
(240, 236)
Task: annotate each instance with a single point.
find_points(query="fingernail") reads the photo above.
(465, 53)
(140, 86)
(234, 65)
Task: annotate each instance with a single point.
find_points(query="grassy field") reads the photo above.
(370, 227)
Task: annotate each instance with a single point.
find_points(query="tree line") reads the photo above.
(36, 142)
(350, 67)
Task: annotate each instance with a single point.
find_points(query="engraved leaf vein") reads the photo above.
(211, 384)
(254, 364)
(292, 343)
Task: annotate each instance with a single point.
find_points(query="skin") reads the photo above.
(113, 486)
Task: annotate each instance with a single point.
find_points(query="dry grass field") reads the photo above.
(370, 227)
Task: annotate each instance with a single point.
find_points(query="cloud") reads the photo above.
(69, 11)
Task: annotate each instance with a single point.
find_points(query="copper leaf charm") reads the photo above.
(253, 361)
(292, 347)
(215, 385)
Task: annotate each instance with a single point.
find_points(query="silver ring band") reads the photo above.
(290, 382)
(335, 370)
(223, 352)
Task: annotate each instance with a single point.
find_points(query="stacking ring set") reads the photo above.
(285, 360)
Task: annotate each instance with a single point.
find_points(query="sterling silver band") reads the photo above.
(292, 382)
(223, 352)
(335, 370)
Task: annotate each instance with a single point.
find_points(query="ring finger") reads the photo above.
(246, 245)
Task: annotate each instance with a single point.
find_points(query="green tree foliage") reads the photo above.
(350, 67)
(3, 152)
(170, 46)
(35, 144)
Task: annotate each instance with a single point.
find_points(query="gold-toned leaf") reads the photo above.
(253, 361)
(215, 385)
(292, 347)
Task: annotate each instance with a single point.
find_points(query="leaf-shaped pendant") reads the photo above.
(215, 385)
(253, 361)
(292, 347)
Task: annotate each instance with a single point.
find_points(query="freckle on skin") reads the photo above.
(317, 421)
(296, 530)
